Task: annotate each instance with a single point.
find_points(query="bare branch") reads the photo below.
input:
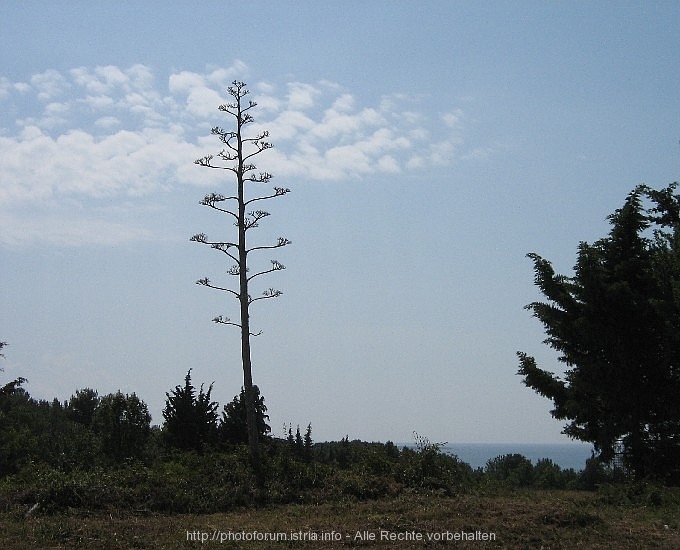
(281, 242)
(276, 266)
(261, 146)
(259, 137)
(214, 198)
(278, 192)
(258, 214)
(206, 282)
(226, 156)
(225, 136)
(263, 177)
(204, 161)
(224, 247)
(226, 321)
(221, 246)
(254, 218)
(269, 293)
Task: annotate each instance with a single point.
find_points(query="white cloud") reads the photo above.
(38, 166)
(344, 104)
(141, 77)
(67, 230)
(22, 87)
(301, 96)
(343, 122)
(454, 119)
(389, 164)
(111, 76)
(288, 125)
(224, 76)
(107, 122)
(50, 84)
(98, 102)
(444, 152)
(415, 162)
(203, 102)
(200, 97)
(100, 80)
(116, 134)
(184, 81)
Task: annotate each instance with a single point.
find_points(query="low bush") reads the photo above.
(224, 479)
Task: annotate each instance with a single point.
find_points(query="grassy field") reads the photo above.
(507, 519)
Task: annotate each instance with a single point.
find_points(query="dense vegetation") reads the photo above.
(616, 326)
(94, 452)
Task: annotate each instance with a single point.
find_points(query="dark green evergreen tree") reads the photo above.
(12, 400)
(190, 418)
(308, 443)
(122, 424)
(14, 386)
(299, 444)
(16, 439)
(234, 425)
(82, 405)
(290, 438)
(616, 326)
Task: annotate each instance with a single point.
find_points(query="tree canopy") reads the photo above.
(616, 326)
(190, 418)
(122, 423)
(234, 425)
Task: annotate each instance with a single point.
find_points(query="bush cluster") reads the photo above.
(94, 452)
(222, 479)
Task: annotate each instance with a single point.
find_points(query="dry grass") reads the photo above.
(520, 519)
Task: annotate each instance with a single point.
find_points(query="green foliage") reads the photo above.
(190, 418)
(513, 469)
(13, 432)
(548, 475)
(616, 326)
(307, 443)
(82, 405)
(662, 501)
(93, 453)
(233, 428)
(427, 467)
(122, 423)
(516, 471)
(181, 481)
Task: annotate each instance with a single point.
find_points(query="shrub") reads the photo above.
(514, 470)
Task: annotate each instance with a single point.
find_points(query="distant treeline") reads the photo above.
(97, 452)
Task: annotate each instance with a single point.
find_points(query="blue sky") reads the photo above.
(428, 145)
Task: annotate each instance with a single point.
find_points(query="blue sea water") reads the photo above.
(565, 455)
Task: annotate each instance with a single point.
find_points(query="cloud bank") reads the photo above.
(80, 147)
